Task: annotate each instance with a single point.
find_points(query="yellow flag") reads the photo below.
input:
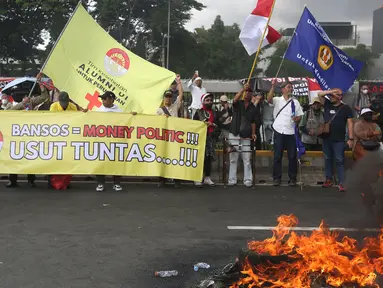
(87, 61)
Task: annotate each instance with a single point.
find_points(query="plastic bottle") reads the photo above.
(201, 266)
(166, 273)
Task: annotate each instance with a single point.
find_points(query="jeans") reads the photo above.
(282, 142)
(242, 147)
(331, 150)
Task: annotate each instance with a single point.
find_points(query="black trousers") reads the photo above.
(13, 178)
(282, 142)
(101, 179)
(207, 166)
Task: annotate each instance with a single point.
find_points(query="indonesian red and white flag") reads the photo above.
(254, 26)
(314, 88)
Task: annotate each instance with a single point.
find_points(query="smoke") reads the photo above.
(364, 181)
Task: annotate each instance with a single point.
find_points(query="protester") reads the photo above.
(225, 116)
(174, 90)
(196, 90)
(31, 103)
(367, 134)
(268, 119)
(258, 100)
(108, 105)
(284, 131)
(310, 125)
(6, 102)
(337, 116)
(61, 182)
(170, 109)
(377, 107)
(63, 104)
(363, 99)
(28, 104)
(206, 115)
(242, 132)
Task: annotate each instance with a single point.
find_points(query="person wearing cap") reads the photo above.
(196, 90)
(284, 124)
(170, 109)
(337, 115)
(363, 99)
(206, 115)
(108, 106)
(243, 130)
(310, 125)
(367, 134)
(63, 104)
(224, 116)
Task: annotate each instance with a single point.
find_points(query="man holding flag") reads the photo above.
(287, 115)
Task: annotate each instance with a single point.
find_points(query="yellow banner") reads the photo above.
(87, 61)
(98, 143)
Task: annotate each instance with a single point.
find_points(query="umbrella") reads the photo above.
(17, 82)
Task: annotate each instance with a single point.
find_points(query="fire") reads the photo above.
(304, 260)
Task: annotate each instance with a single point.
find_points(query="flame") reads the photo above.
(319, 256)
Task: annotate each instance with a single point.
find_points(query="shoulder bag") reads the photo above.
(166, 111)
(325, 127)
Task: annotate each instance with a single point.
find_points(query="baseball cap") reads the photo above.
(168, 93)
(223, 98)
(366, 110)
(64, 98)
(198, 78)
(315, 99)
(108, 94)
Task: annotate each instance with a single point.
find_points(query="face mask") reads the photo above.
(364, 91)
(4, 101)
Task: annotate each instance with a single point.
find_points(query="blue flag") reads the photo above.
(313, 49)
(301, 149)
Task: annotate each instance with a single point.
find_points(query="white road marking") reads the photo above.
(270, 228)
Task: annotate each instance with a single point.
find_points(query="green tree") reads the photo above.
(363, 54)
(221, 54)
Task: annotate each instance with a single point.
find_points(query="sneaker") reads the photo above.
(293, 183)
(208, 181)
(341, 188)
(198, 184)
(328, 184)
(11, 185)
(277, 182)
(100, 188)
(117, 187)
(248, 184)
(232, 184)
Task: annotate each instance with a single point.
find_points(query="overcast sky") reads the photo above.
(287, 13)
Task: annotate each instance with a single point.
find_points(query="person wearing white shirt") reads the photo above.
(196, 90)
(284, 131)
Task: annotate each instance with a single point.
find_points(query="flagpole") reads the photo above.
(288, 46)
(260, 43)
(54, 46)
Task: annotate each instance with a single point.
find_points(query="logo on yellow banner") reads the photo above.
(117, 62)
(128, 145)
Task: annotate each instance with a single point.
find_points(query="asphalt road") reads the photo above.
(81, 238)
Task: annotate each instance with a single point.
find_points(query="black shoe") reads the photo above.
(177, 184)
(32, 184)
(293, 183)
(277, 182)
(11, 185)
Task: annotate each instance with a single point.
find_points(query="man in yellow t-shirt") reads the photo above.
(63, 104)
